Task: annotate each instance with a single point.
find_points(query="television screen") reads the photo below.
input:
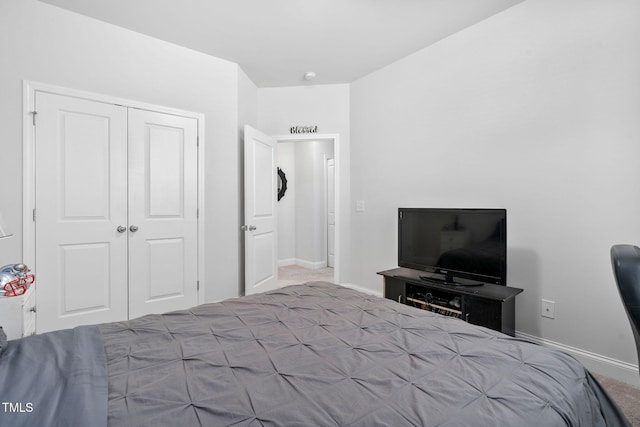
(454, 243)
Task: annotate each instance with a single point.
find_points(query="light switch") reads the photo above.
(359, 205)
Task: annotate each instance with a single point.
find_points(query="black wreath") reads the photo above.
(282, 184)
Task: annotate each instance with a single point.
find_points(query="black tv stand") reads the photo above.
(449, 281)
(484, 304)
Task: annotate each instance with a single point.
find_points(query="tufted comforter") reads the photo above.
(323, 355)
(306, 355)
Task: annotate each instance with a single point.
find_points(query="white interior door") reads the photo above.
(163, 201)
(331, 213)
(81, 211)
(260, 213)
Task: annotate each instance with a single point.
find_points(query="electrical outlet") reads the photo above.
(548, 309)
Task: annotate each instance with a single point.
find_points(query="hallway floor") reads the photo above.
(295, 274)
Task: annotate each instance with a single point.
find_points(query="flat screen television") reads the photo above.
(455, 246)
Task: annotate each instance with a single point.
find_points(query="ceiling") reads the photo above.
(277, 41)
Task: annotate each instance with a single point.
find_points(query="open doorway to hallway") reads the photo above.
(307, 206)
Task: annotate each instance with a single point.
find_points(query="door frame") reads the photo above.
(326, 205)
(29, 89)
(338, 189)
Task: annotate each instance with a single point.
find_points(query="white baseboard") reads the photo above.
(286, 262)
(596, 363)
(312, 265)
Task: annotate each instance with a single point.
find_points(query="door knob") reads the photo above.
(121, 229)
(248, 227)
(133, 228)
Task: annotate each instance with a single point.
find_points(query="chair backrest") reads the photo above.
(625, 260)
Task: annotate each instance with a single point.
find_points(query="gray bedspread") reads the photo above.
(323, 355)
(54, 379)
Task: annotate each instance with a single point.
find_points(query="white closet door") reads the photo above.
(81, 200)
(162, 212)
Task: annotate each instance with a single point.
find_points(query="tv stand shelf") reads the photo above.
(488, 305)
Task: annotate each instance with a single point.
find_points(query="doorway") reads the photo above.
(307, 229)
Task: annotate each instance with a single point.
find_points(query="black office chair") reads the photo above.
(625, 260)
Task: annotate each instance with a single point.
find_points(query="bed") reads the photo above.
(316, 354)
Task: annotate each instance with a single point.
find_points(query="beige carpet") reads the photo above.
(294, 274)
(626, 396)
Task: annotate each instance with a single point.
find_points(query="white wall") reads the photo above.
(43, 43)
(286, 160)
(326, 106)
(535, 110)
(311, 241)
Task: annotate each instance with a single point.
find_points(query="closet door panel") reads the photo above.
(81, 200)
(165, 173)
(165, 262)
(162, 212)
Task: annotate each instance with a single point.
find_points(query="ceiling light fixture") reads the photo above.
(309, 75)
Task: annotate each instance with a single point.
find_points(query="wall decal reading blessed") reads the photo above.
(303, 129)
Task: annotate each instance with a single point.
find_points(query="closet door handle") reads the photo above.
(121, 229)
(133, 228)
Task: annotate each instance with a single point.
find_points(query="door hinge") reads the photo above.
(198, 141)
(197, 285)
(34, 215)
(197, 213)
(33, 117)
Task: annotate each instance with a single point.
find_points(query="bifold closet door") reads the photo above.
(81, 211)
(116, 205)
(163, 192)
